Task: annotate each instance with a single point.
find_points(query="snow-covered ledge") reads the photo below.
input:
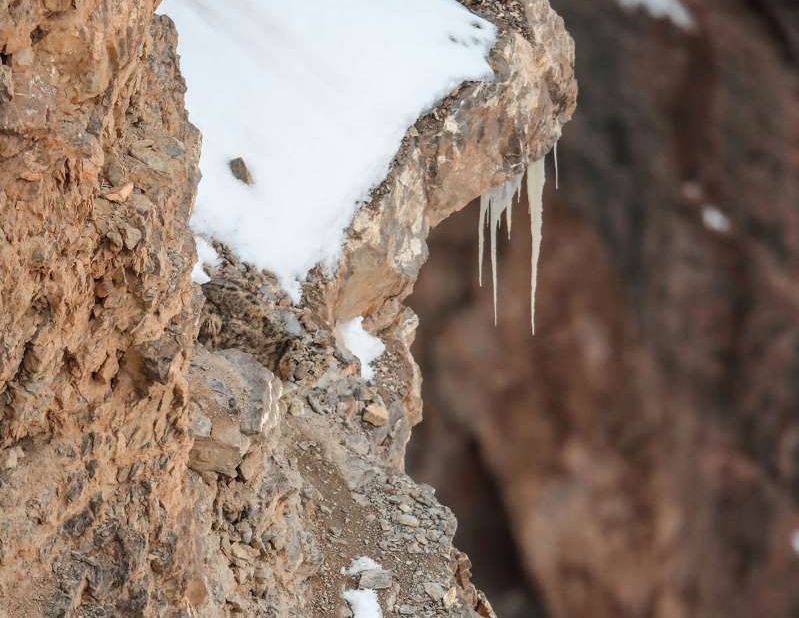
(479, 138)
(302, 130)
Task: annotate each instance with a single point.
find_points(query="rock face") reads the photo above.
(645, 442)
(96, 319)
(139, 478)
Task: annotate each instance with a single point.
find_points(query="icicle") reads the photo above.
(557, 175)
(493, 203)
(484, 199)
(499, 200)
(536, 176)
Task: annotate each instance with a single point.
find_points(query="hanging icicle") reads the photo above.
(536, 176)
(493, 203)
(498, 200)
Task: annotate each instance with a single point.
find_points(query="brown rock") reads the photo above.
(240, 170)
(99, 318)
(119, 194)
(375, 414)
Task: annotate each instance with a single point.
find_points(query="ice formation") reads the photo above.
(536, 176)
(498, 200)
(295, 97)
(493, 203)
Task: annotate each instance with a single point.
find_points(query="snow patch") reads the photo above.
(315, 98)
(714, 219)
(206, 254)
(359, 565)
(498, 200)
(364, 603)
(364, 346)
(674, 10)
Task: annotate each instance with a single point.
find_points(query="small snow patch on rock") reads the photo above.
(364, 346)
(364, 603)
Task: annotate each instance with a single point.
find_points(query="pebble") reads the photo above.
(375, 579)
(408, 520)
(376, 414)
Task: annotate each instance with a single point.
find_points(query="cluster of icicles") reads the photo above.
(499, 200)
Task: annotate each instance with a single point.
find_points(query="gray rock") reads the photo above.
(375, 579)
(240, 170)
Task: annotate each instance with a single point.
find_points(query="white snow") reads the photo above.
(498, 200)
(674, 10)
(315, 96)
(795, 542)
(367, 348)
(364, 603)
(715, 220)
(206, 254)
(359, 565)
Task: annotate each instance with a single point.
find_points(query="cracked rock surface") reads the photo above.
(144, 474)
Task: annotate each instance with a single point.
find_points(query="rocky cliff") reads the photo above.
(644, 443)
(145, 474)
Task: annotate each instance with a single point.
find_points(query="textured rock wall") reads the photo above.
(141, 478)
(645, 442)
(97, 174)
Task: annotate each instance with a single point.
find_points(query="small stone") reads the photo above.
(407, 610)
(115, 172)
(245, 531)
(11, 458)
(450, 598)
(196, 592)
(119, 194)
(240, 170)
(376, 414)
(243, 552)
(358, 444)
(6, 84)
(252, 464)
(375, 579)
(116, 238)
(200, 425)
(434, 590)
(131, 236)
(408, 520)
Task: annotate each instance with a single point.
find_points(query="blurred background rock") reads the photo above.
(638, 458)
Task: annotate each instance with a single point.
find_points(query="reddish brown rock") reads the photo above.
(96, 326)
(106, 506)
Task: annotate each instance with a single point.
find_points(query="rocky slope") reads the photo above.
(645, 442)
(142, 474)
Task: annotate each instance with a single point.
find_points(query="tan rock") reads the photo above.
(375, 414)
(119, 194)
